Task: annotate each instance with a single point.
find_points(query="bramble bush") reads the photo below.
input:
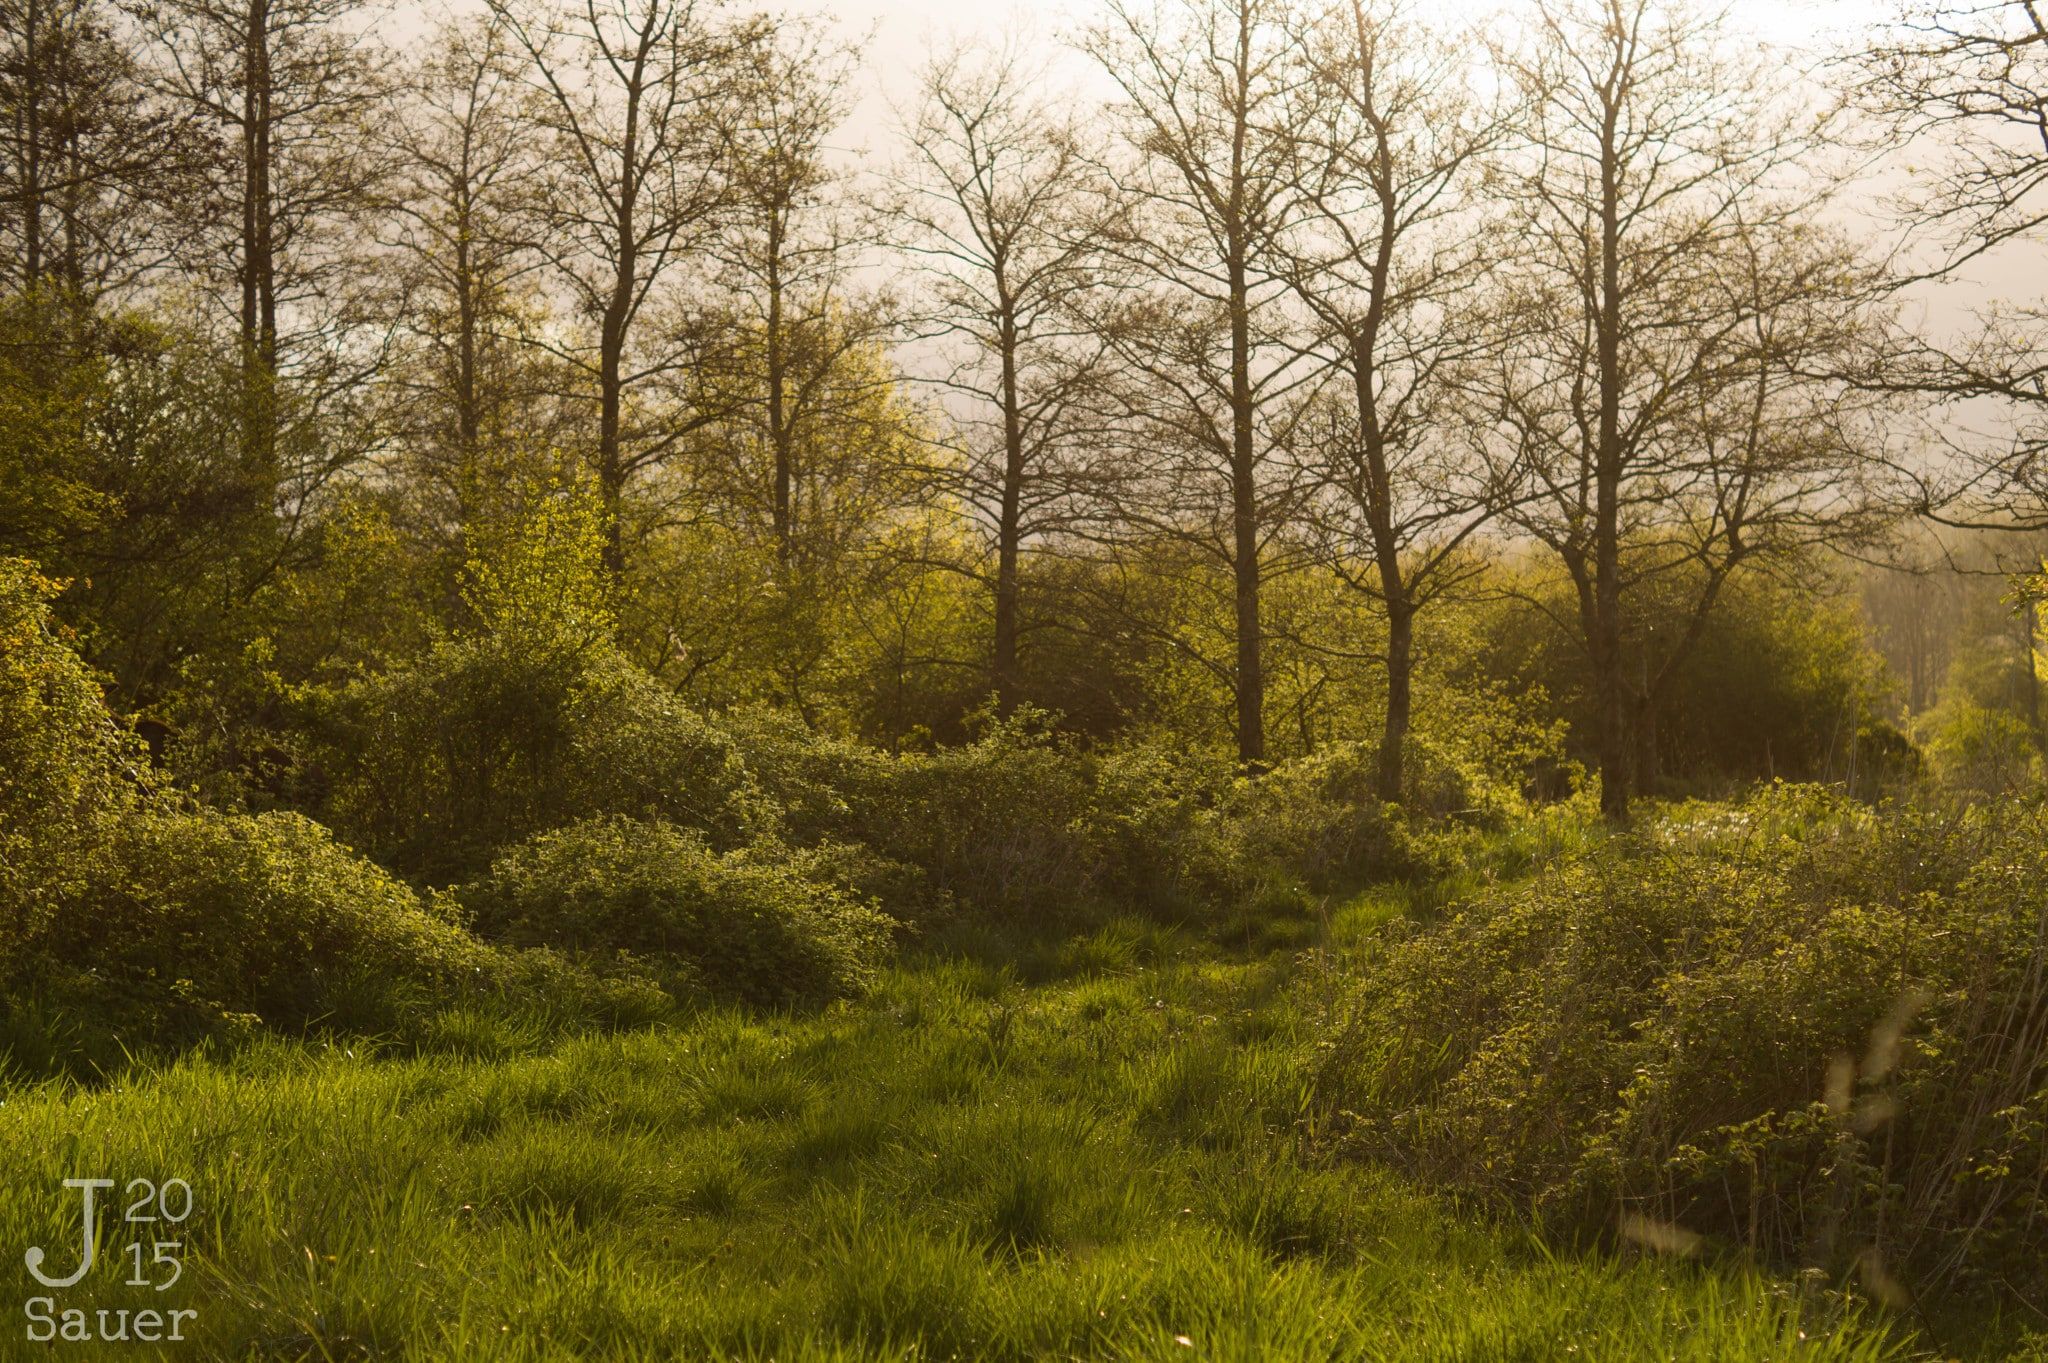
(131, 920)
(199, 919)
(1798, 1026)
(744, 924)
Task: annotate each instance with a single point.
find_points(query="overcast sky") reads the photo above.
(902, 30)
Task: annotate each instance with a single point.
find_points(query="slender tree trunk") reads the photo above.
(1400, 698)
(31, 134)
(1648, 767)
(468, 420)
(779, 438)
(1609, 689)
(1251, 681)
(1003, 668)
(611, 460)
(72, 268)
(611, 471)
(259, 262)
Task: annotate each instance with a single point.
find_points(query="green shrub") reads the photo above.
(67, 770)
(994, 824)
(1796, 1025)
(743, 924)
(1977, 749)
(196, 921)
(1151, 819)
(483, 741)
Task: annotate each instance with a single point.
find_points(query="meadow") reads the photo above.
(1110, 1152)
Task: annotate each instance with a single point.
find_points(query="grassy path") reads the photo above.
(960, 1166)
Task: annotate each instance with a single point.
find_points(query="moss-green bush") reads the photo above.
(741, 924)
(434, 766)
(68, 771)
(197, 921)
(1798, 1025)
(1976, 748)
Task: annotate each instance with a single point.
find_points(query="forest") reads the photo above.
(1186, 679)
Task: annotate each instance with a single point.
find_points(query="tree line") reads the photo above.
(1241, 373)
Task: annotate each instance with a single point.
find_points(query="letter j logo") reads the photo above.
(35, 1256)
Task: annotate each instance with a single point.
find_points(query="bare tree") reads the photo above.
(1676, 310)
(634, 114)
(790, 243)
(461, 195)
(291, 82)
(1001, 217)
(1963, 84)
(1205, 86)
(90, 162)
(1391, 258)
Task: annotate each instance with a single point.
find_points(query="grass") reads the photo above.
(1107, 1163)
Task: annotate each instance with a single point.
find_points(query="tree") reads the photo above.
(790, 242)
(1002, 219)
(635, 117)
(89, 161)
(1676, 308)
(1204, 97)
(469, 383)
(1965, 85)
(291, 81)
(1390, 258)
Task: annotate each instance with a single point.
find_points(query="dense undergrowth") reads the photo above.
(523, 821)
(1797, 1026)
(595, 1010)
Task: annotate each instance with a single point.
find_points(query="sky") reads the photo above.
(902, 29)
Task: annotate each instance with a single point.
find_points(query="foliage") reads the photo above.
(744, 925)
(1794, 1025)
(483, 741)
(1779, 683)
(536, 574)
(1978, 748)
(68, 771)
(199, 923)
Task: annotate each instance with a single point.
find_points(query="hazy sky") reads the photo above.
(903, 30)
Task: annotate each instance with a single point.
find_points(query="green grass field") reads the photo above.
(1114, 1161)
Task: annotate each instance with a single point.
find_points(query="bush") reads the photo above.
(200, 921)
(481, 742)
(995, 824)
(739, 924)
(1798, 1026)
(1318, 819)
(67, 770)
(1977, 749)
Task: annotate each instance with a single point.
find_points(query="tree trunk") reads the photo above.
(779, 440)
(1647, 764)
(611, 461)
(1400, 699)
(32, 153)
(1009, 530)
(1609, 689)
(259, 264)
(468, 419)
(611, 473)
(1251, 680)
